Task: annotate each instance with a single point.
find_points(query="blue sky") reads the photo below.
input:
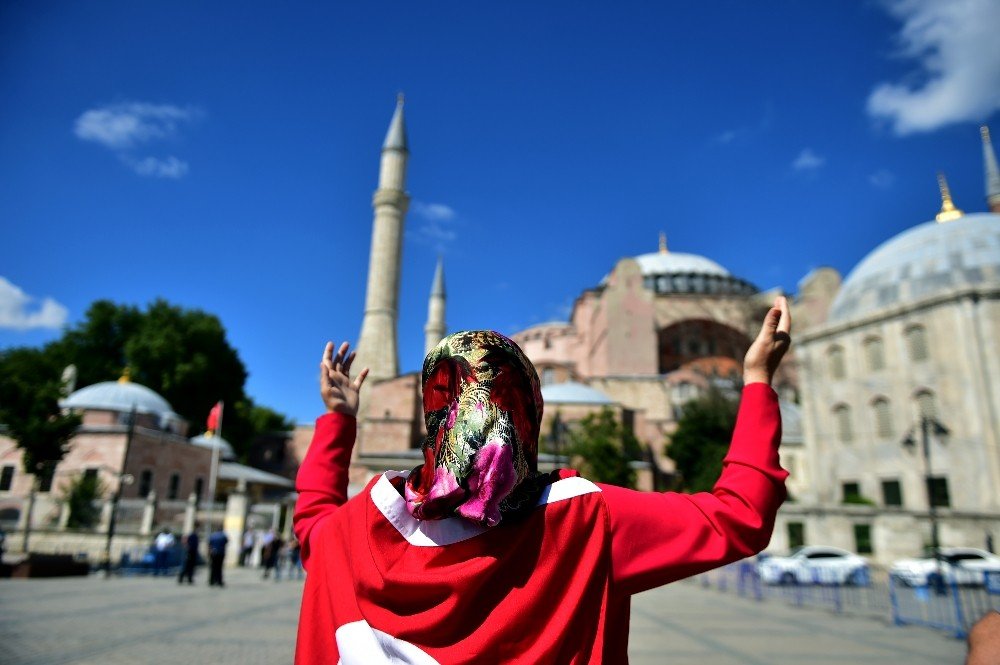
(223, 155)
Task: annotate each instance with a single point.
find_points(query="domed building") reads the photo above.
(905, 352)
(659, 330)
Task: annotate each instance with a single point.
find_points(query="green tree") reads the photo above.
(603, 447)
(183, 354)
(81, 495)
(30, 389)
(701, 440)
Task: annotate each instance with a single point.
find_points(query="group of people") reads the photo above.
(276, 554)
(165, 545)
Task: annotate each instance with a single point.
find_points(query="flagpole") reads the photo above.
(215, 459)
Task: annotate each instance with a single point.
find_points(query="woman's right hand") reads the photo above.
(340, 394)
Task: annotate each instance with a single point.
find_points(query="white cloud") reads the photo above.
(434, 211)
(956, 51)
(882, 179)
(124, 127)
(437, 226)
(808, 161)
(16, 314)
(171, 167)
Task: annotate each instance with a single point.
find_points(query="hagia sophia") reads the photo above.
(889, 403)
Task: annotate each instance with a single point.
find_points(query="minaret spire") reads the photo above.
(378, 343)
(435, 329)
(948, 212)
(992, 171)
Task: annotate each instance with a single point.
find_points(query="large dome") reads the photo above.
(674, 263)
(120, 396)
(924, 261)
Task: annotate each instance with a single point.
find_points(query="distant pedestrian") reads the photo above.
(295, 559)
(271, 553)
(217, 542)
(247, 548)
(163, 545)
(190, 557)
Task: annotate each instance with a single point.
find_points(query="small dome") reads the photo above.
(674, 263)
(225, 449)
(573, 393)
(921, 262)
(120, 396)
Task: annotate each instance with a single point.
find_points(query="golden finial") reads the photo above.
(663, 243)
(126, 376)
(948, 211)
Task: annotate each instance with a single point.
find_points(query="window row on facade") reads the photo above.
(881, 416)
(873, 351)
(145, 481)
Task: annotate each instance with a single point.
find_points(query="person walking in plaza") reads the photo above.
(191, 543)
(163, 546)
(217, 541)
(246, 549)
(294, 559)
(271, 554)
(475, 556)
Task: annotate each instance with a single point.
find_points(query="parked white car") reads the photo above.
(814, 564)
(961, 565)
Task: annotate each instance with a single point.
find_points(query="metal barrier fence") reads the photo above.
(946, 607)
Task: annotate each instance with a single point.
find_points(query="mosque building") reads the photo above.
(910, 338)
(898, 368)
(133, 442)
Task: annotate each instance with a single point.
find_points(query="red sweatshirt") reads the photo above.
(553, 587)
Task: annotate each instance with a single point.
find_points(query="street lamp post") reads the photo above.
(123, 478)
(927, 425)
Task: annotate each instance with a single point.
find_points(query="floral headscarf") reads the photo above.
(483, 410)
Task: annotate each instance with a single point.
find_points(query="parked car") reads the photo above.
(815, 564)
(961, 565)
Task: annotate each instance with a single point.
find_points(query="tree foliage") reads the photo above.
(701, 440)
(30, 389)
(602, 449)
(82, 494)
(182, 354)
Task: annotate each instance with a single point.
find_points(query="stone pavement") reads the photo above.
(154, 621)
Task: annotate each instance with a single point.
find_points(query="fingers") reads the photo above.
(349, 361)
(361, 379)
(785, 322)
(326, 366)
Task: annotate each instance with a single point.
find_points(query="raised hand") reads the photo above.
(769, 348)
(339, 392)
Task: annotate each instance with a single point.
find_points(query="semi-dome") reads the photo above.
(922, 262)
(226, 451)
(572, 392)
(120, 396)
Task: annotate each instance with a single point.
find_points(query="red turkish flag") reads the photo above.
(214, 416)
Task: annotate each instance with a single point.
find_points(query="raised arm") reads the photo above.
(322, 478)
(661, 537)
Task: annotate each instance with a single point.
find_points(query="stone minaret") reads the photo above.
(377, 345)
(992, 171)
(435, 329)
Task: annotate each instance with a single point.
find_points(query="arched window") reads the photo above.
(836, 359)
(874, 355)
(842, 420)
(916, 343)
(883, 417)
(926, 404)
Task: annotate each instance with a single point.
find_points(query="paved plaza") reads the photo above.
(154, 621)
